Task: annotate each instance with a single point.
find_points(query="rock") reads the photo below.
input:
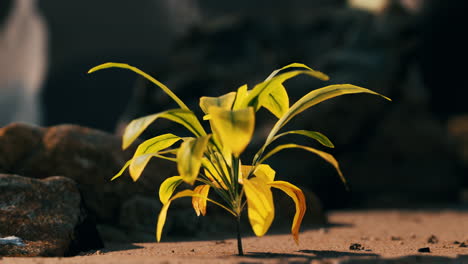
(89, 157)
(356, 246)
(45, 214)
(424, 250)
(124, 211)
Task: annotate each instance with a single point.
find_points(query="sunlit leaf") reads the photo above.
(315, 97)
(265, 172)
(147, 76)
(199, 202)
(189, 158)
(241, 96)
(277, 101)
(224, 102)
(146, 150)
(234, 128)
(214, 172)
(327, 157)
(121, 170)
(260, 208)
(297, 65)
(163, 213)
(181, 116)
(297, 196)
(168, 187)
(258, 94)
(321, 138)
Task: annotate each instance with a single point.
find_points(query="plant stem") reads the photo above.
(239, 238)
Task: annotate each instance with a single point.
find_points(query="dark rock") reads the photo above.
(356, 246)
(124, 211)
(87, 156)
(424, 250)
(46, 214)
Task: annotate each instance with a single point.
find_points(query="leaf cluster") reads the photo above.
(211, 161)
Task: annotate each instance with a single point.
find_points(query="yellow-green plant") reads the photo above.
(212, 160)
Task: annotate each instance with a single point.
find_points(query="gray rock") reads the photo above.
(45, 214)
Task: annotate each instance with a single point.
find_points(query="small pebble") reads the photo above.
(424, 250)
(193, 250)
(433, 240)
(456, 242)
(401, 243)
(395, 238)
(356, 246)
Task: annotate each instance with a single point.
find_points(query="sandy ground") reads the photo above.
(387, 236)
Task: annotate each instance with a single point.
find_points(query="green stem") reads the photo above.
(240, 250)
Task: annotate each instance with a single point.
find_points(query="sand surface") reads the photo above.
(385, 236)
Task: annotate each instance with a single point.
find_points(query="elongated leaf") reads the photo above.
(146, 151)
(321, 138)
(224, 102)
(167, 188)
(181, 116)
(234, 128)
(327, 157)
(185, 193)
(261, 210)
(189, 158)
(315, 97)
(277, 101)
(257, 95)
(214, 173)
(199, 202)
(297, 65)
(299, 200)
(241, 96)
(122, 170)
(265, 172)
(147, 76)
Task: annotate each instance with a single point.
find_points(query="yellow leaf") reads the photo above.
(212, 171)
(147, 76)
(299, 200)
(199, 202)
(224, 102)
(241, 96)
(320, 75)
(269, 87)
(234, 128)
(321, 138)
(163, 213)
(181, 116)
(277, 101)
(315, 97)
(327, 157)
(265, 172)
(121, 170)
(146, 151)
(261, 210)
(167, 188)
(189, 158)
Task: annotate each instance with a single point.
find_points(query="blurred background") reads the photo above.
(412, 151)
